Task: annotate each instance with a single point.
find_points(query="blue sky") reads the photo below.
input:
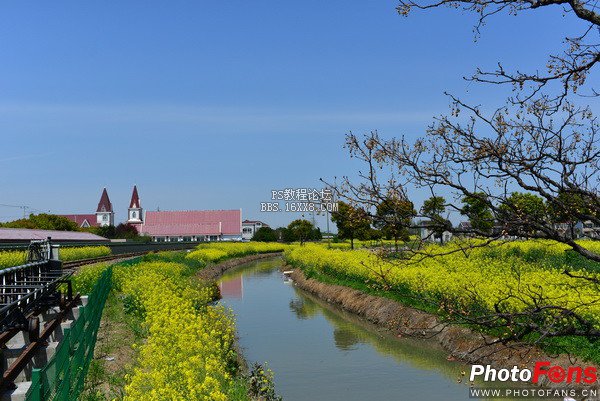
(212, 104)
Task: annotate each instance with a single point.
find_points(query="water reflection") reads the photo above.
(345, 340)
(319, 352)
(233, 287)
(303, 309)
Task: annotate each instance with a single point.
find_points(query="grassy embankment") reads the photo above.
(511, 275)
(162, 337)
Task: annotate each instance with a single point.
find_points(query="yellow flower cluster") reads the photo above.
(84, 252)
(16, 258)
(86, 277)
(188, 354)
(219, 251)
(485, 276)
(12, 258)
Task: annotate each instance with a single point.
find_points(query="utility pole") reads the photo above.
(23, 207)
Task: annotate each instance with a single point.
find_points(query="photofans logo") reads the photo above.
(556, 374)
(542, 370)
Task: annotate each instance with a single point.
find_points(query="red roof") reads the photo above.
(81, 218)
(135, 199)
(24, 234)
(193, 222)
(104, 205)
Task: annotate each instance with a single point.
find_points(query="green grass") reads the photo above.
(119, 331)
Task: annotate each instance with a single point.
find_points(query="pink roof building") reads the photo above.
(199, 225)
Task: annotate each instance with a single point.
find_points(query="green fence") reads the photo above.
(62, 378)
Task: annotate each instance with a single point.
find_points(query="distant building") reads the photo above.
(169, 226)
(10, 235)
(250, 227)
(465, 226)
(104, 215)
(193, 225)
(580, 229)
(587, 229)
(427, 234)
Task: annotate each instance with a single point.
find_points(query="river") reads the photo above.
(320, 352)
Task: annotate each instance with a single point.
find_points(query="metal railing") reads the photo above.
(63, 376)
(117, 248)
(28, 287)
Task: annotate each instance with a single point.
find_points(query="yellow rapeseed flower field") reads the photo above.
(219, 251)
(15, 258)
(484, 276)
(189, 352)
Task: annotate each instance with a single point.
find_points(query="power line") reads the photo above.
(25, 208)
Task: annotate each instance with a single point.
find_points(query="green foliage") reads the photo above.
(352, 222)
(394, 216)
(122, 231)
(524, 206)
(265, 234)
(434, 207)
(43, 221)
(300, 230)
(126, 231)
(104, 231)
(479, 213)
(87, 276)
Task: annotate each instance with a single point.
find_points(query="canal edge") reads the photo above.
(462, 344)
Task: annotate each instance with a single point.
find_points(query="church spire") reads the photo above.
(135, 199)
(104, 214)
(135, 213)
(104, 205)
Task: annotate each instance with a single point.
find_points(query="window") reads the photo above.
(104, 217)
(133, 215)
(247, 230)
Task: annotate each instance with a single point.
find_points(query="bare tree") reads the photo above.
(542, 142)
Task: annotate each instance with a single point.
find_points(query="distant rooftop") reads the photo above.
(192, 222)
(80, 219)
(25, 234)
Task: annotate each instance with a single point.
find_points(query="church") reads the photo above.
(168, 226)
(104, 216)
(189, 225)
